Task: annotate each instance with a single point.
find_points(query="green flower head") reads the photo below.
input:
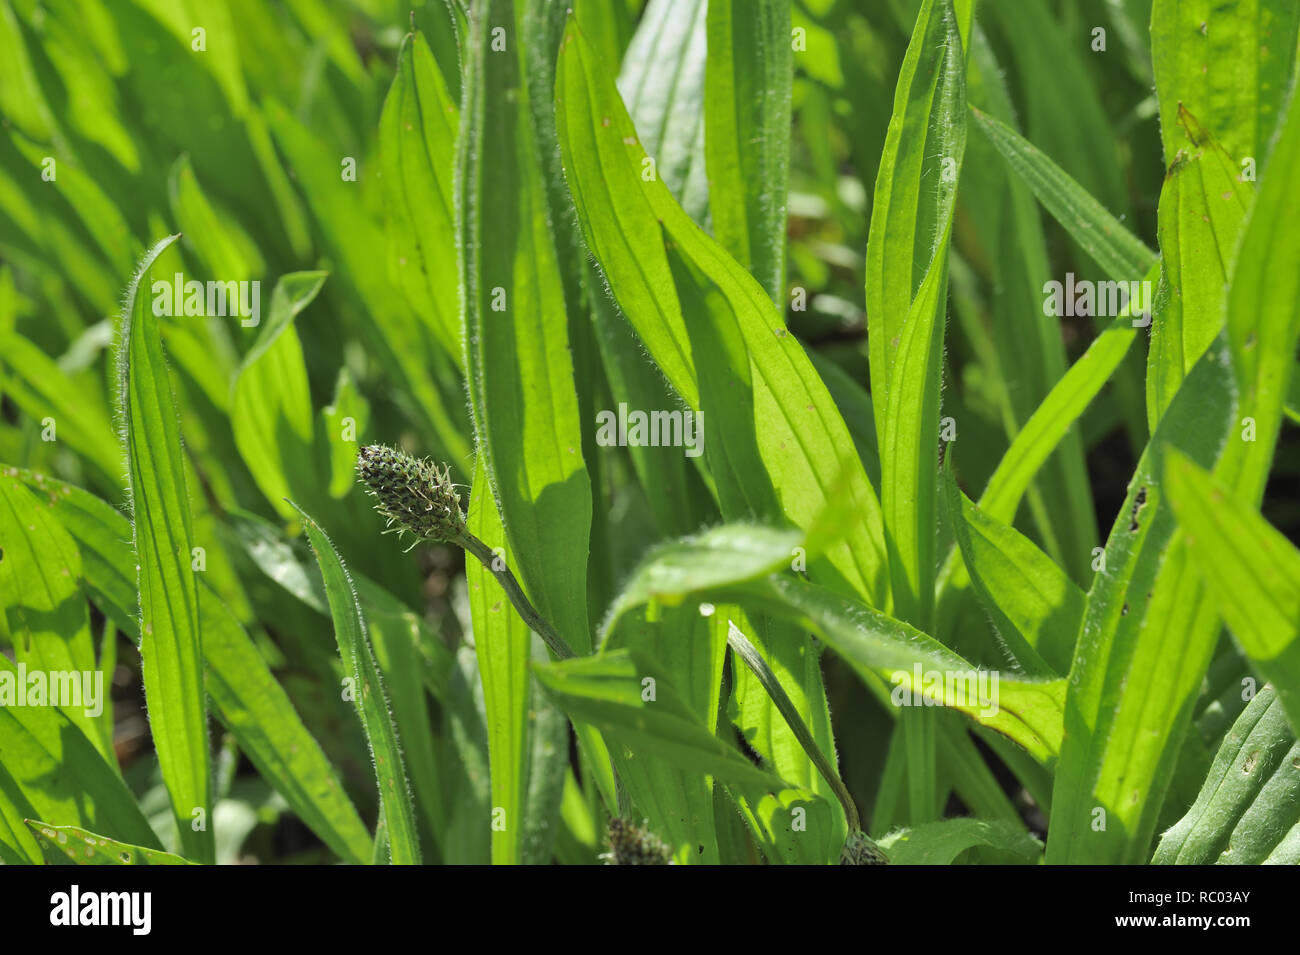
(414, 494)
(630, 844)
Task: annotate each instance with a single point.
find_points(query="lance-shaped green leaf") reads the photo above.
(344, 421)
(906, 295)
(1036, 608)
(224, 249)
(1252, 571)
(1202, 208)
(689, 654)
(923, 671)
(1059, 411)
(251, 703)
(42, 390)
(516, 333)
(52, 771)
(1063, 106)
(914, 197)
(171, 648)
(747, 141)
(1239, 106)
(502, 642)
(940, 843)
(1263, 318)
(1249, 808)
(271, 413)
(1034, 444)
(248, 699)
(1120, 253)
(417, 146)
(45, 618)
(628, 218)
(370, 697)
(877, 646)
(729, 554)
(403, 342)
(63, 844)
(1147, 703)
(663, 82)
(610, 691)
(753, 660)
(1021, 359)
(1132, 681)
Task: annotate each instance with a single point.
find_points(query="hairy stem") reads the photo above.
(754, 660)
(536, 622)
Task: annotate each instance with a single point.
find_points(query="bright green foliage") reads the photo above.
(170, 642)
(779, 467)
(63, 844)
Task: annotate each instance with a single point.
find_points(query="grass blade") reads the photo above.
(251, 703)
(271, 412)
(1028, 711)
(40, 388)
(663, 83)
(503, 644)
(248, 699)
(1022, 359)
(915, 194)
(44, 611)
(608, 691)
(875, 645)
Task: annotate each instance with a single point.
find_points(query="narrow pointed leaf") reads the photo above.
(370, 698)
(747, 142)
(171, 648)
(1120, 254)
(1252, 571)
(64, 844)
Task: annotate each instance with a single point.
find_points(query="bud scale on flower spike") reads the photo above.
(414, 494)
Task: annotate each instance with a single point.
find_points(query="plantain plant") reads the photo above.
(812, 432)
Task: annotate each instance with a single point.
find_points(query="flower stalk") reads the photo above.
(418, 498)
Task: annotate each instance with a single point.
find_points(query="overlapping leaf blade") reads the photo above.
(802, 438)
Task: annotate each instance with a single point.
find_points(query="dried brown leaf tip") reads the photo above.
(630, 844)
(413, 494)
